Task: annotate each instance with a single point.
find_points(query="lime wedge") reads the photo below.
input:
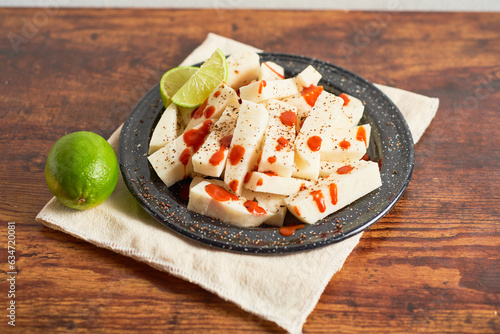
(174, 79)
(196, 90)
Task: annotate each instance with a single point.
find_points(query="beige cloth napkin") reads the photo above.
(281, 288)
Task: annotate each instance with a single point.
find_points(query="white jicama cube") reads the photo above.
(346, 144)
(172, 163)
(165, 130)
(211, 158)
(327, 195)
(214, 105)
(274, 184)
(309, 76)
(353, 110)
(243, 68)
(274, 204)
(309, 140)
(271, 71)
(278, 149)
(247, 139)
(268, 89)
(167, 165)
(213, 200)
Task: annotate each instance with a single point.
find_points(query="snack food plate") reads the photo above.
(391, 144)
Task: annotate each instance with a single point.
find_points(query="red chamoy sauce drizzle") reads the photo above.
(365, 157)
(236, 154)
(262, 84)
(234, 185)
(184, 157)
(345, 98)
(319, 199)
(271, 160)
(288, 231)
(271, 173)
(198, 112)
(297, 210)
(311, 93)
(314, 143)
(260, 182)
(345, 169)
(361, 134)
(282, 143)
(248, 176)
(226, 141)
(209, 111)
(344, 144)
(219, 194)
(217, 93)
(272, 69)
(218, 156)
(333, 193)
(288, 118)
(196, 137)
(254, 208)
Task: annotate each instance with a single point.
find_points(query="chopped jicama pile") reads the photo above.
(262, 144)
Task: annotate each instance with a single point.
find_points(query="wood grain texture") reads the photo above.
(431, 265)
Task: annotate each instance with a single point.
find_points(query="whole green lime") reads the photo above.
(81, 170)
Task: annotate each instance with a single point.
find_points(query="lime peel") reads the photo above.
(81, 170)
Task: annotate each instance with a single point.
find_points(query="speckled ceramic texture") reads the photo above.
(391, 145)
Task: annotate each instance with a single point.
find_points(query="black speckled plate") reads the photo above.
(391, 145)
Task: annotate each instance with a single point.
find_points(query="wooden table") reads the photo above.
(430, 265)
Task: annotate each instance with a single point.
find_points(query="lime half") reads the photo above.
(196, 90)
(174, 79)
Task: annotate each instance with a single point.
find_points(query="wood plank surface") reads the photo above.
(431, 265)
